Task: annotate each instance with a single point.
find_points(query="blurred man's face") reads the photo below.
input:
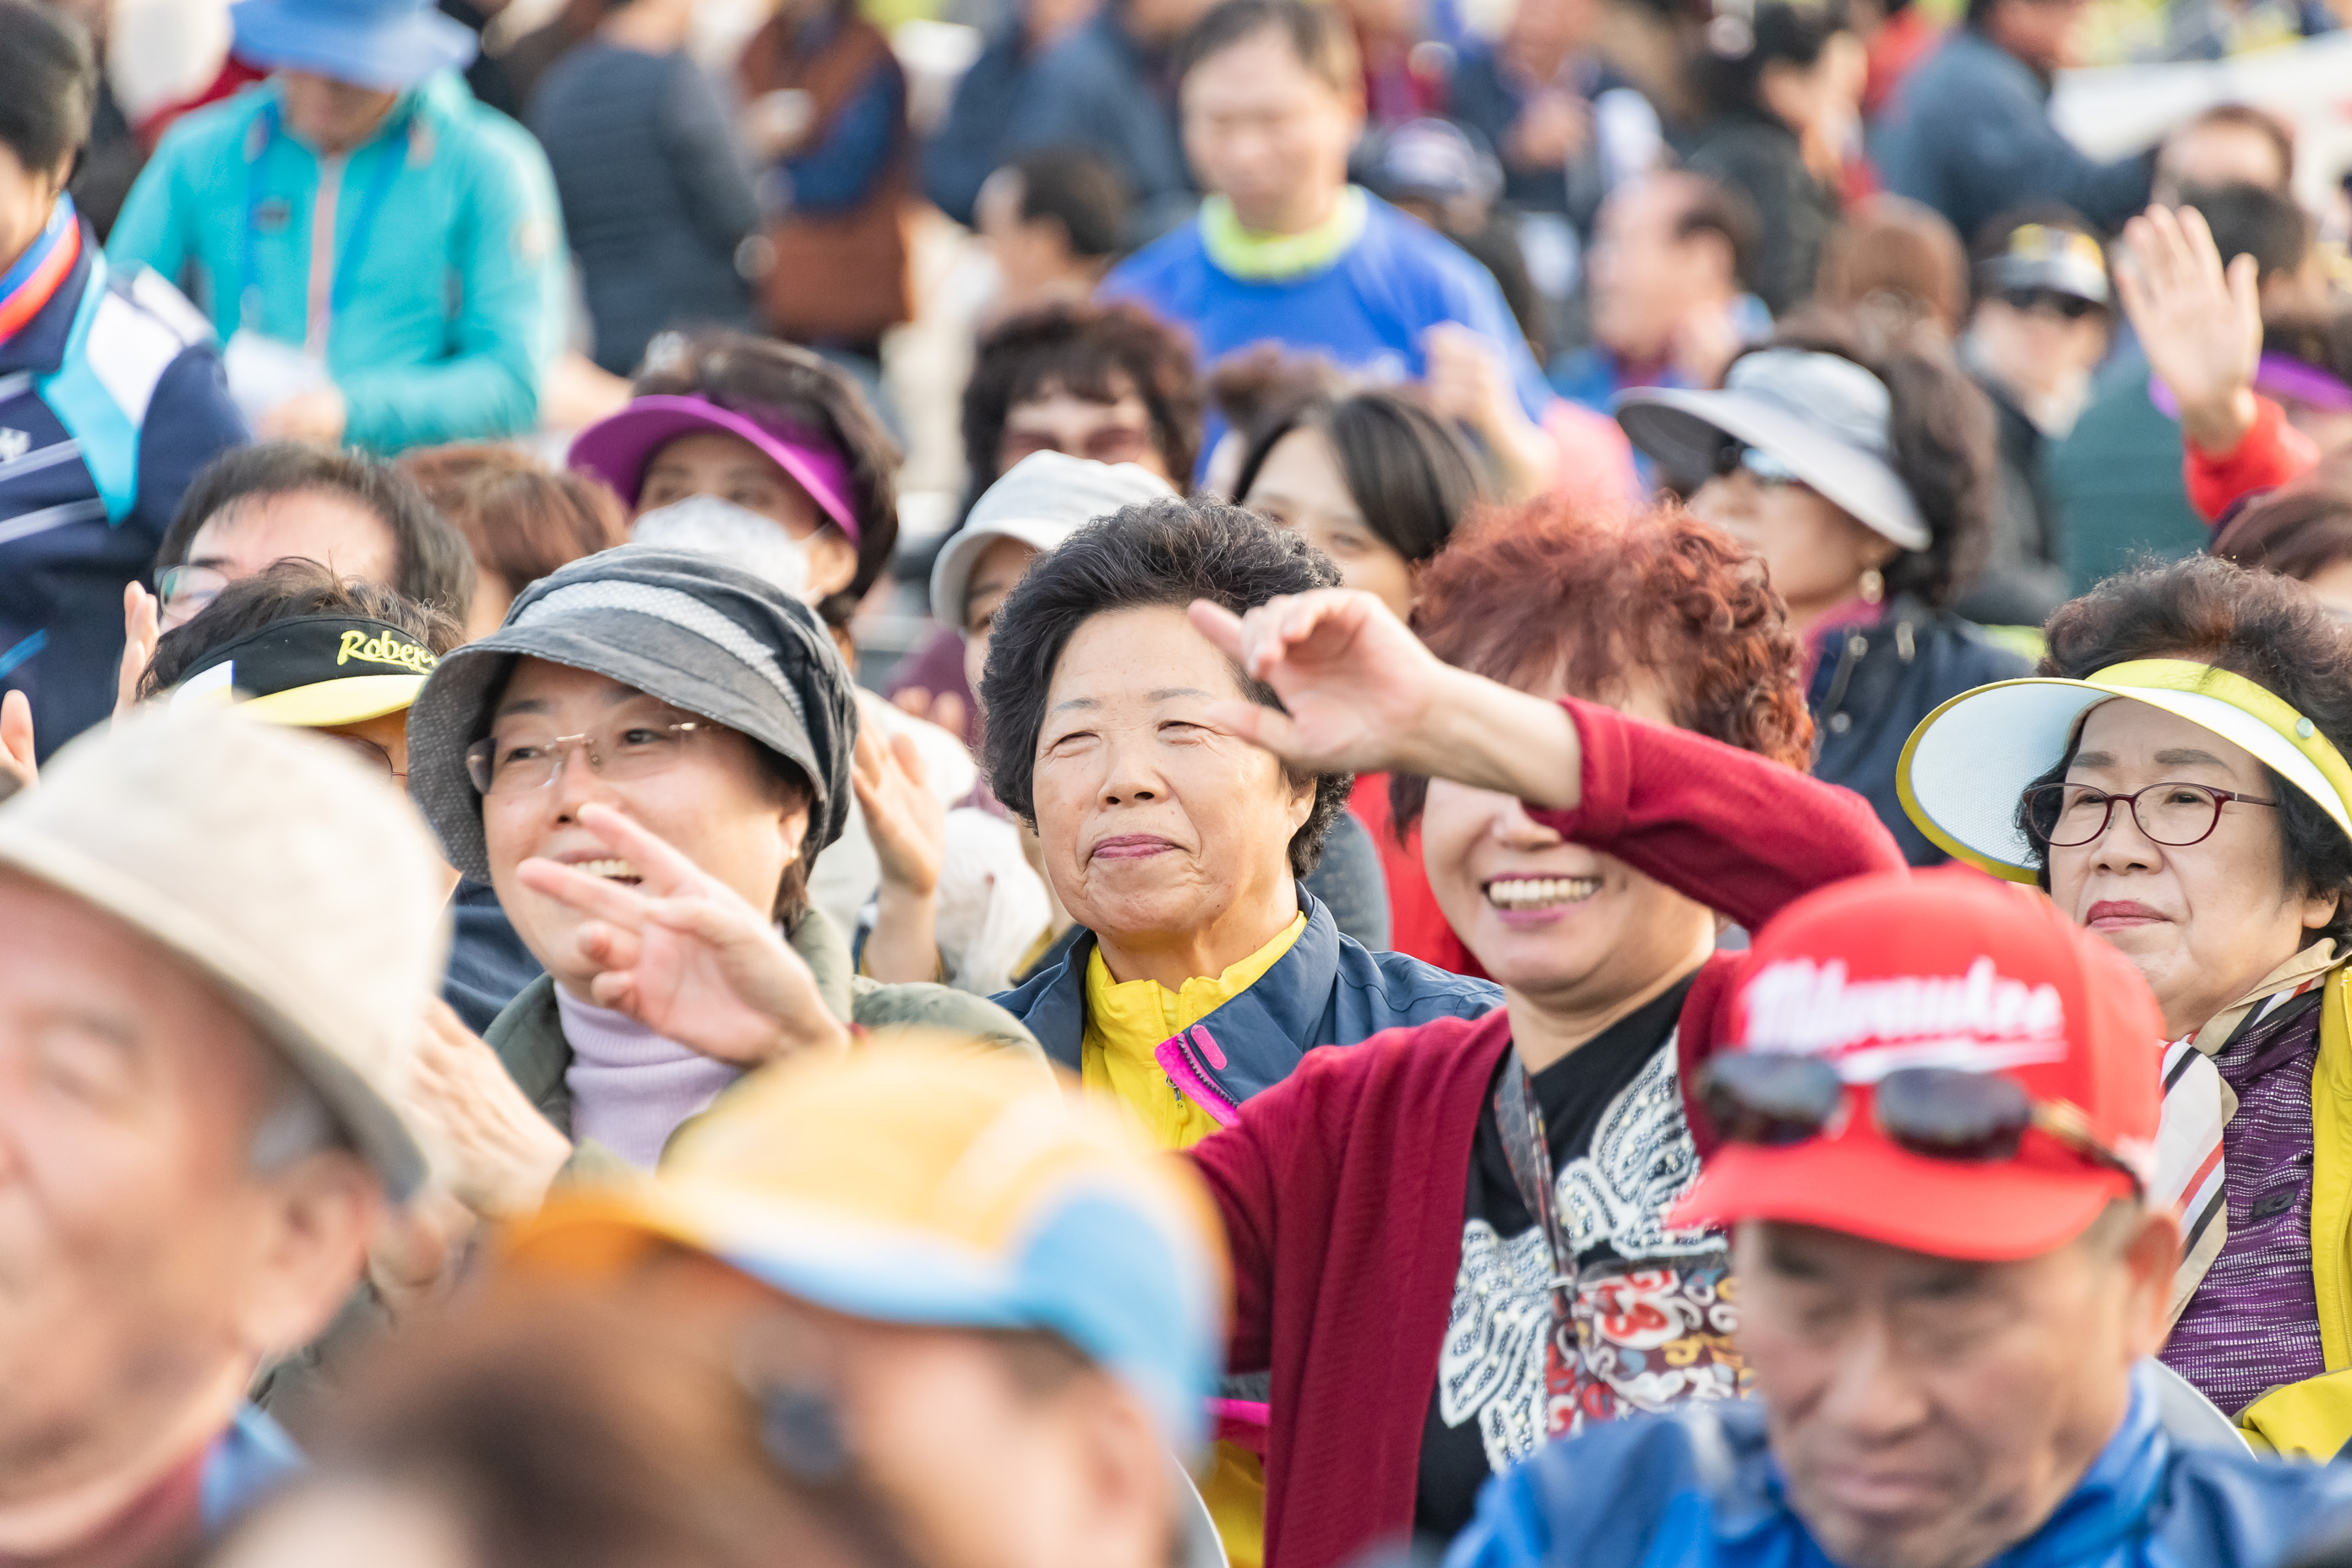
(2045, 34)
(1545, 25)
(1646, 282)
(1055, 419)
(1930, 1413)
(332, 116)
(27, 196)
(254, 532)
(2039, 345)
(138, 1248)
(2216, 154)
(1268, 134)
(997, 1452)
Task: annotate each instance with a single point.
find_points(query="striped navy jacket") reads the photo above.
(111, 399)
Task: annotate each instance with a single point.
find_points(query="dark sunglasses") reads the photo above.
(2073, 306)
(1776, 1099)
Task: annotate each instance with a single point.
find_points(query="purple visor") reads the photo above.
(616, 450)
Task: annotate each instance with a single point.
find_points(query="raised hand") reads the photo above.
(2200, 323)
(908, 828)
(1357, 685)
(142, 626)
(944, 708)
(18, 770)
(1360, 694)
(685, 955)
(491, 1148)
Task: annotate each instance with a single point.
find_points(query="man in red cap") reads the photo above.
(1934, 1109)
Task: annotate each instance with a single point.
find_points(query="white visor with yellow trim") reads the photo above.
(1968, 764)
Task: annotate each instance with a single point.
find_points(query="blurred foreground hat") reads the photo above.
(1965, 770)
(1931, 1011)
(1040, 500)
(388, 45)
(291, 877)
(687, 629)
(1819, 418)
(923, 1183)
(312, 670)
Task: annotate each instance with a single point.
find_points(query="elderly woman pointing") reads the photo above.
(2176, 778)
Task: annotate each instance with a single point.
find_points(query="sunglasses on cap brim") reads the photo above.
(1763, 466)
(1775, 1099)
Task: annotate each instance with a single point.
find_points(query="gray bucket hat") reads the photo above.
(1822, 416)
(699, 635)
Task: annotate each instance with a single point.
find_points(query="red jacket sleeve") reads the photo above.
(2272, 452)
(1739, 833)
(1233, 1163)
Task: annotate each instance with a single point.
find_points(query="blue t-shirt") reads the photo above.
(1366, 310)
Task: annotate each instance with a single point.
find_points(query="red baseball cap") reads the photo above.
(1941, 969)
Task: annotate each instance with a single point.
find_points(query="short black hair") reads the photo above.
(2268, 628)
(1078, 190)
(1316, 33)
(1944, 433)
(2254, 220)
(1160, 553)
(290, 588)
(1086, 350)
(48, 82)
(1728, 69)
(1409, 471)
(430, 562)
(770, 382)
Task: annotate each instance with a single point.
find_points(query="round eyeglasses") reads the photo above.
(2066, 815)
(527, 759)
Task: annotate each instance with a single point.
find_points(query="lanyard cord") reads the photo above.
(389, 160)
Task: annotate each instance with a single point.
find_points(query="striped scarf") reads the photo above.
(2198, 1105)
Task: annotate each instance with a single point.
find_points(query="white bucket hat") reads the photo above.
(1822, 416)
(1968, 764)
(1040, 500)
(293, 877)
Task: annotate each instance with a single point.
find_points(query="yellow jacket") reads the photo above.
(2312, 1419)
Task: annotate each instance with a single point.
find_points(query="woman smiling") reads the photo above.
(2175, 777)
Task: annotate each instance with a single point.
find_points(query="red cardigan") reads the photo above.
(1341, 1187)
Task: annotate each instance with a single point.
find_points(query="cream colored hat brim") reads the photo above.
(1968, 764)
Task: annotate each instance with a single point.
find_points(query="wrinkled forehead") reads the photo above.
(539, 686)
(1148, 654)
(2122, 736)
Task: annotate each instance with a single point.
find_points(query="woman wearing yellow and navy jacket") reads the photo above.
(388, 248)
(111, 396)
(2176, 778)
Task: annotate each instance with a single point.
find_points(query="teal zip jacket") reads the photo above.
(448, 289)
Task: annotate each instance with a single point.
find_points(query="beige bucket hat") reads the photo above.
(286, 872)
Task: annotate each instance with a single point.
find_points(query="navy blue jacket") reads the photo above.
(111, 399)
(1098, 89)
(1874, 684)
(1970, 134)
(970, 144)
(1699, 1488)
(1327, 990)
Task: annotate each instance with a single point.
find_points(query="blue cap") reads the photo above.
(388, 45)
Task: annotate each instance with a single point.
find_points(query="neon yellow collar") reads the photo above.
(1274, 257)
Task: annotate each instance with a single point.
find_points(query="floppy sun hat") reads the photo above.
(617, 451)
(1967, 767)
(1040, 500)
(315, 671)
(1935, 1062)
(1822, 417)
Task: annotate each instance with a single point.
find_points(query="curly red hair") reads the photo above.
(1537, 592)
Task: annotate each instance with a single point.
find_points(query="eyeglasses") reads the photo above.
(1761, 465)
(183, 592)
(524, 759)
(2064, 815)
(1105, 444)
(2028, 301)
(368, 752)
(1775, 1099)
